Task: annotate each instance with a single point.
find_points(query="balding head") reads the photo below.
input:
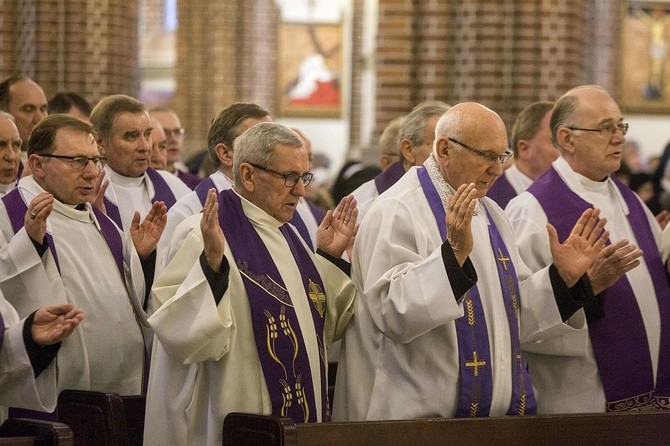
(470, 140)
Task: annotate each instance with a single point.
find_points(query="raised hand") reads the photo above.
(460, 208)
(579, 251)
(212, 234)
(98, 200)
(663, 218)
(338, 228)
(612, 262)
(145, 236)
(38, 211)
(55, 323)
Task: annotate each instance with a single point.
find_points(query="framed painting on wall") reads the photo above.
(310, 70)
(644, 76)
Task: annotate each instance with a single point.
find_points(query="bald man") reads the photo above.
(440, 314)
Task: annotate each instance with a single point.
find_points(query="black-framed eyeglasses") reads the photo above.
(179, 131)
(488, 155)
(290, 179)
(607, 129)
(79, 163)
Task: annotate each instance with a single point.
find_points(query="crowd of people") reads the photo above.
(472, 274)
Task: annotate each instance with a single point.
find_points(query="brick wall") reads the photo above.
(504, 54)
(88, 46)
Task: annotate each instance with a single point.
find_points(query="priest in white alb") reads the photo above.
(444, 296)
(246, 307)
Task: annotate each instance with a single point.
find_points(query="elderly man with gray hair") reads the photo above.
(259, 305)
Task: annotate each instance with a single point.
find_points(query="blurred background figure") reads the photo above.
(174, 134)
(10, 152)
(72, 104)
(158, 158)
(389, 146)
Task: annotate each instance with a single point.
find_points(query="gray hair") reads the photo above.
(103, 114)
(257, 144)
(389, 144)
(565, 111)
(7, 115)
(415, 121)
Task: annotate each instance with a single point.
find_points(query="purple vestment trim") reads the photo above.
(501, 191)
(278, 336)
(202, 189)
(2, 329)
(317, 212)
(162, 191)
(189, 179)
(299, 224)
(475, 371)
(619, 338)
(389, 177)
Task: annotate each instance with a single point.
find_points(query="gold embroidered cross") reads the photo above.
(475, 363)
(503, 259)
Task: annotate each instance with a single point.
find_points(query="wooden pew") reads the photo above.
(21, 431)
(102, 419)
(634, 429)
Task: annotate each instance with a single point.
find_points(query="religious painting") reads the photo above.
(310, 70)
(645, 56)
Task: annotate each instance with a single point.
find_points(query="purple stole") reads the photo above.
(317, 212)
(389, 177)
(474, 355)
(299, 224)
(278, 337)
(619, 338)
(202, 189)
(162, 192)
(20, 171)
(501, 191)
(2, 329)
(189, 179)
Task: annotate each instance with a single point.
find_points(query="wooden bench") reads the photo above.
(102, 419)
(634, 429)
(25, 432)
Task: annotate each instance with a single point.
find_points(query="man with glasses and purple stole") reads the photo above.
(614, 354)
(444, 297)
(247, 308)
(57, 248)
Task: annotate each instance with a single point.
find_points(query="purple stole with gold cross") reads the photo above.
(619, 338)
(162, 192)
(278, 336)
(474, 354)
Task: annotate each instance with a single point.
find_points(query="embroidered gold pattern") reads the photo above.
(470, 310)
(503, 259)
(318, 297)
(475, 363)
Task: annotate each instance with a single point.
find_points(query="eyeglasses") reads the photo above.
(607, 129)
(290, 179)
(179, 131)
(79, 163)
(488, 155)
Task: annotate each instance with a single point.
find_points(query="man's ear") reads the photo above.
(247, 176)
(442, 149)
(224, 155)
(565, 139)
(407, 150)
(36, 165)
(522, 147)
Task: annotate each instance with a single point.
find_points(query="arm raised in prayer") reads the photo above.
(36, 216)
(578, 252)
(337, 228)
(460, 209)
(212, 234)
(146, 235)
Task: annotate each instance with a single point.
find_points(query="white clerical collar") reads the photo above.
(125, 181)
(444, 189)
